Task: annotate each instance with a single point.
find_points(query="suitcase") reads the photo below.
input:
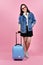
(18, 51)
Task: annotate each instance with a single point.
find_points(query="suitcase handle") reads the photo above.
(20, 39)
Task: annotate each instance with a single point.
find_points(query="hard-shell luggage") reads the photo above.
(18, 51)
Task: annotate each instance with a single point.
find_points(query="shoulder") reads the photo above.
(21, 17)
(31, 13)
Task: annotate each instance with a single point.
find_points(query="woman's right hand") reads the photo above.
(19, 31)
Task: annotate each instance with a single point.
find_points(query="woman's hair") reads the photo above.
(21, 12)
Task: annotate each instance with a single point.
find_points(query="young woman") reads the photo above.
(26, 23)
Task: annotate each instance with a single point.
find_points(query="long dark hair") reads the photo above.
(21, 12)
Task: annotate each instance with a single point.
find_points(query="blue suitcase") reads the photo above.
(18, 51)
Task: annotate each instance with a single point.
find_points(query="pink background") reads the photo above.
(9, 13)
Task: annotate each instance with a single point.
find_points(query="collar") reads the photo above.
(25, 14)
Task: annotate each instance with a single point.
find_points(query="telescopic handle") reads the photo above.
(20, 38)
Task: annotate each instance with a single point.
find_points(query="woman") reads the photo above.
(26, 23)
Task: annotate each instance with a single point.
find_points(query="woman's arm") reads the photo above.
(19, 28)
(33, 20)
(19, 24)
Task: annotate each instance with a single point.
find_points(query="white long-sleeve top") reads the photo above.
(26, 15)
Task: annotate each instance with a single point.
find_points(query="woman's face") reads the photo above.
(24, 9)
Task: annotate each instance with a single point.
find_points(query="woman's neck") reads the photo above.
(25, 13)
